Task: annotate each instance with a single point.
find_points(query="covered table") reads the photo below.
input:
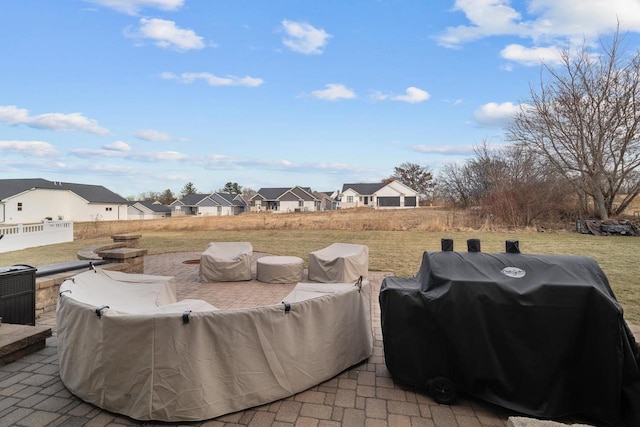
(539, 334)
(279, 269)
(339, 262)
(226, 262)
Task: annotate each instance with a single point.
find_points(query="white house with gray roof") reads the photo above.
(25, 201)
(379, 195)
(284, 199)
(148, 209)
(214, 204)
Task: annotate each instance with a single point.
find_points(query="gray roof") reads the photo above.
(235, 199)
(272, 193)
(155, 207)
(91, 193)
(239, 201)
(364, 189)
(277, 193)
(220, 199)
(232, 198)
(193, 199)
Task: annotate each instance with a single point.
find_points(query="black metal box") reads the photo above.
(18, 294)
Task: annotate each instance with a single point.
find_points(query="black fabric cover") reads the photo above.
(541, 335)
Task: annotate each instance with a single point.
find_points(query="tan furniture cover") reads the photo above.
(150, 365)
(339, 262)
(226, 262)
(279, 269)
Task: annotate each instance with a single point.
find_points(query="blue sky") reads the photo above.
(145, 95)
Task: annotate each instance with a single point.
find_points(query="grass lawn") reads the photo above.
(397, 251)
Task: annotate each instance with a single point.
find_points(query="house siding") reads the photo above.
(39, 204)
(391, 196)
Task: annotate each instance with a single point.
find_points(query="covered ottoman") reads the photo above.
(279, 269)
(339, 262)
(226, 262)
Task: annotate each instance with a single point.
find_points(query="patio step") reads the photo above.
(17, 341)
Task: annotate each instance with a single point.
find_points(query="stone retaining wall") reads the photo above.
(121, 255)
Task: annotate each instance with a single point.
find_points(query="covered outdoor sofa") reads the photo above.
(127, 345)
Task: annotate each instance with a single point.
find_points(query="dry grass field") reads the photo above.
(396, 240)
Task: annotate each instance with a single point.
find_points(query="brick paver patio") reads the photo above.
(32, 394)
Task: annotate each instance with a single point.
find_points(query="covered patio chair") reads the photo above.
(226, 262)
(339, 263)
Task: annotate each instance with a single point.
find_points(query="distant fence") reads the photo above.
(23, 236)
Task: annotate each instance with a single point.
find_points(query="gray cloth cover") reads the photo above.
(279, 269)
(150, 365)
(339, 262)
(226, 262)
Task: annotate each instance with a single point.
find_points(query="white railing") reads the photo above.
(23, 236)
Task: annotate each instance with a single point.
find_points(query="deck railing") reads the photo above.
(23, 236)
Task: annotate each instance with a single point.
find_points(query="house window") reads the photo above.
(349, 199)
(108, 209)
(19, 206)
(301, 203)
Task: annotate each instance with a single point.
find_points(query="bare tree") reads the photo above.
(419, 178)
(514, 185)
(585, 121)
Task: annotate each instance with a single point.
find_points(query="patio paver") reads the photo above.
(31, 392)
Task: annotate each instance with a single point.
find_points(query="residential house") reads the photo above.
(327, 202)
(284, 199)
(380, 195)
(214, 204)
(148, 209)
(34, 200)
(238, 202)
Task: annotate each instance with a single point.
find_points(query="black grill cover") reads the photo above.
(541, 335)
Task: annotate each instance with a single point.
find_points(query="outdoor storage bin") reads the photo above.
(541, 335)
(18, 294)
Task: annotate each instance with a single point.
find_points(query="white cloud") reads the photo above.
(444, 150)
(378, 96)
(532, 56)
(53, 121)
(117, 146)
(162, 156)
(89, 153)
(488, 18)
(550, 22)
(495, 115)
(154, 135)
(132, 7)
(304, 38)
(28, 148)
(334, 92)
(413, 95)
(213, 80)
(167, 35)
(217, 162)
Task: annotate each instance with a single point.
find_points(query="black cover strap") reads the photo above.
(185, 316)
(359, 284)
(99, 310)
